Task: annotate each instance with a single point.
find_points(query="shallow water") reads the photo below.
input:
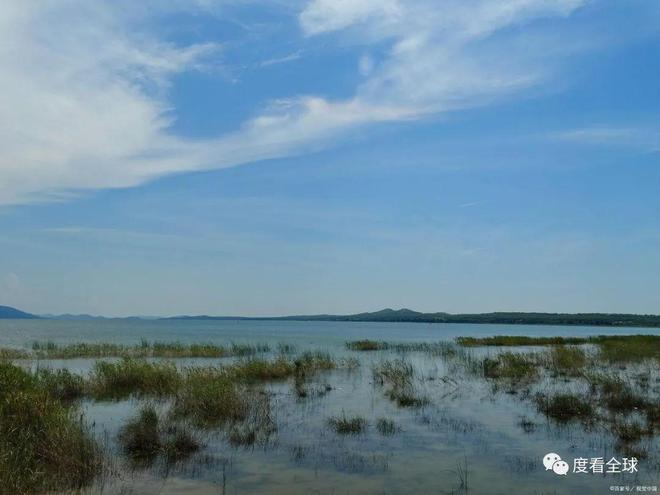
(465, 428)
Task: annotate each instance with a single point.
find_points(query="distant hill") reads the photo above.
(510, 318)
(7, 312)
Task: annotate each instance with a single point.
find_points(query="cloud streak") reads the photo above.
(83, 85)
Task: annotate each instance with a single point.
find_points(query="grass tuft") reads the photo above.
(565, 407)
(511, 366)
(348, 425)
(134, 377)
(386, 427)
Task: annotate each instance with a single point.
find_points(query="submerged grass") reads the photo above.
(565, 407)
(344, 425)
(386, 427)
(43, 445)
(511, 366)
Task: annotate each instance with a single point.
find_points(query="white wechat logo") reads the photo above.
(553, 462)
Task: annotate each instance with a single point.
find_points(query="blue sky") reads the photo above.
(266, 158)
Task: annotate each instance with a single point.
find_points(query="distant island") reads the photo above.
(403, 315)
(509, 318)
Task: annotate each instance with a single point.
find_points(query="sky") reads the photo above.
(279, 157)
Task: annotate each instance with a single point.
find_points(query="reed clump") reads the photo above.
(133, 377)
(397, 378)
(511, 366)
(344, 425)
(366, 345)
(44, 445)
(567, 360)
(565, 407)
(145, 438)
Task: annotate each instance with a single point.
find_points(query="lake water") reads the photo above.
(468, 439)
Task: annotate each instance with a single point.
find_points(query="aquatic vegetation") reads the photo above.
(284, 348)
(179, 443)
(9, 354)
(210, 397)
(511, 366)
(344, 425)
(527, 425)
(567, 360)
(366, 345)
(386, 427)
(247, 349)
(445, 349)
(144, 438)
(628, 348)
(613, 348)
(565, 407)
(133, 376)
(262, 369)
(140, 438)
(629, 432)
(397, 378)
(518, 340)
(314, 361)
(51, 350)
(61, 384)
(397, 373)
(236, 404)
(44, 446)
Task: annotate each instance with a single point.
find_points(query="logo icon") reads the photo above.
(553, 462)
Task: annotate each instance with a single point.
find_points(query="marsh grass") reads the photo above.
(210, 396)
(140, 437)
(567, 360)
(629, 348)
(344, 425)
(612, 348)
(366, 345)
(386, 427)
(9, 354)
(146, 438)
(527, 425)
(564, 407)
(61, 384)
(146, 349)
(518, 340)
(629, 431)
(515, 367)
(133, 377)
(444, 349)
(44, 446)
(397, 377)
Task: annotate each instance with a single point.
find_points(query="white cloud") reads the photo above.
(83, 84)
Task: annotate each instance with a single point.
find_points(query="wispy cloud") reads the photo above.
(634, 137)
(281, 60)
(83, 100)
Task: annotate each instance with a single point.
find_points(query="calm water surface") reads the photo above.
(466, 427)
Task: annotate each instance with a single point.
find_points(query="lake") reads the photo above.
(468, 436)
